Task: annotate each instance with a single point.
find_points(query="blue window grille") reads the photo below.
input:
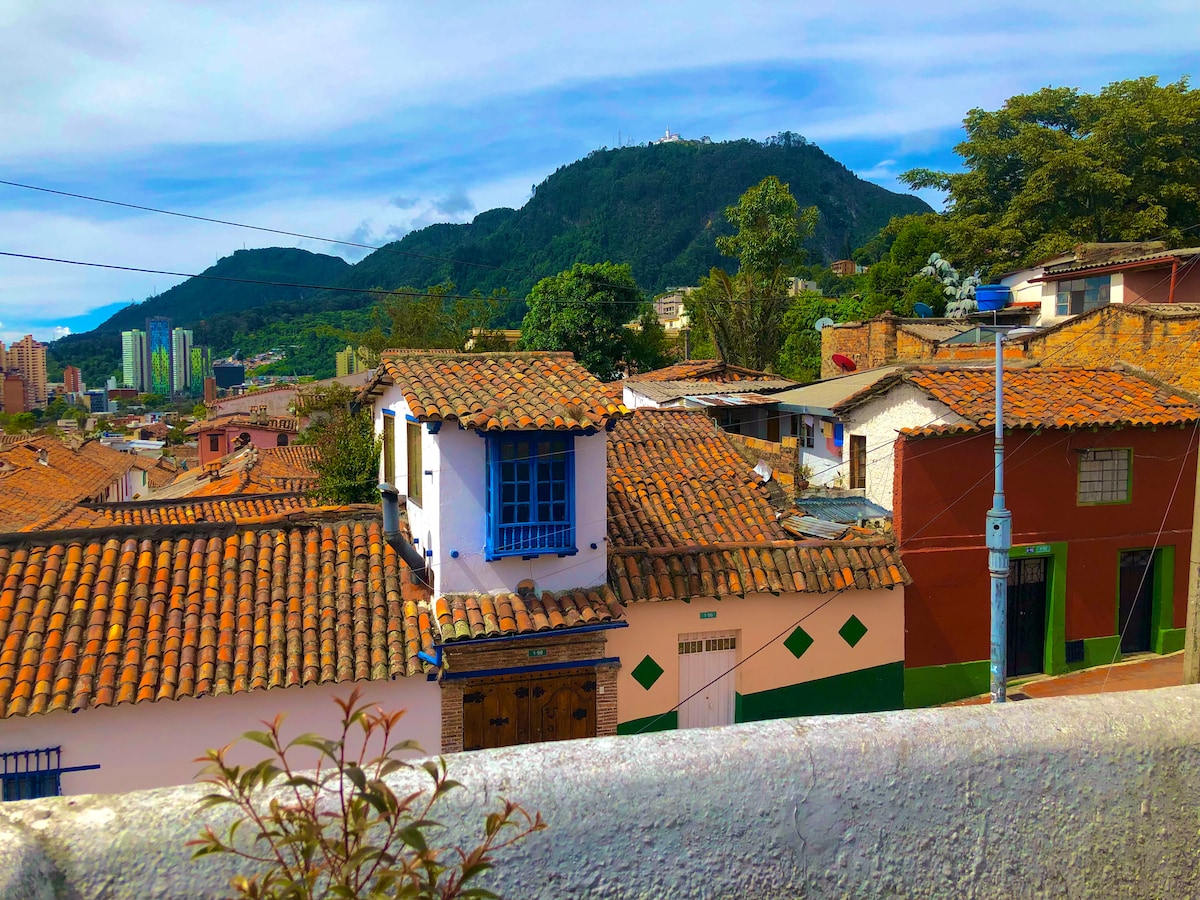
(29, 774)
(530, 494)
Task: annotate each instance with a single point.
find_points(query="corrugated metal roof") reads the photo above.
(729, 399)
(832, 391)
(811, 526)
(938, 332)
(843, 509)
(660, 391)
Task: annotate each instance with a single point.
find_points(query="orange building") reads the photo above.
(28, 358)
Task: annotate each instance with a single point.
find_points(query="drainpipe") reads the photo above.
(999, 542)
(394, 536)
(1174, 275)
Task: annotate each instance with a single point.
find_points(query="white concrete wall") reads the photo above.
(1048, 294)
(633, 400)
(824, 458)
(153, 744)
(452, 514)
(880, 420)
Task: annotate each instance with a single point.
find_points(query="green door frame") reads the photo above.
(1055, 661)
(1164, 637)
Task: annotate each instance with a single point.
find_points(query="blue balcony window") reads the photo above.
(530, 494)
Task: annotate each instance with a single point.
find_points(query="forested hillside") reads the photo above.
(657, 208)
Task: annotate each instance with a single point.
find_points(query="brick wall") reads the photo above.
(1165, 346)
(515, 655)
(783, 456)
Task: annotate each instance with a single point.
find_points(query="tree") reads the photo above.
(1059, 167)
(347, 461)
(584, 309)
(647, 346)
(744, 312)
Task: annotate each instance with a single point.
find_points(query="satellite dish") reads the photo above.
(823, 322)
(923, 310)
(843, 362)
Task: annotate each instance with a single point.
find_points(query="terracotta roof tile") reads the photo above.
(129, 616)
(688, 517)
(499, 391)
(187, 511)
(287, 424)
(32, 493)
(463, 617)
(250, 470)
(704, 370)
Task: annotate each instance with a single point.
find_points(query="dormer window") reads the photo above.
(530, 494)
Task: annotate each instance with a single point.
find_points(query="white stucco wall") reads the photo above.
(633, 400)
(880, 420)
(1046, 293)
(153, 744)
(824, 458)
(452, 514)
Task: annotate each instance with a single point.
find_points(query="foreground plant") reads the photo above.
(341, 831)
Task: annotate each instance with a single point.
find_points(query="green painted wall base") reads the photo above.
(1099, 651)
(1170, 640)
(935, 685)
(867, 690)
(666, 722)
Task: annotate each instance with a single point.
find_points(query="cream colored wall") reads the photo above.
(152, 744)
(654, 630)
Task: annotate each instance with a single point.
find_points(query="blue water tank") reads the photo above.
(992, 296)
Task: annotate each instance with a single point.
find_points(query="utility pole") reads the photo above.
(999, 542)
(1191, 633)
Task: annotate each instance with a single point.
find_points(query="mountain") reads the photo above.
(657, 207)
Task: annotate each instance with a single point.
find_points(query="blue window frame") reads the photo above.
(29, 774)
(530, 494)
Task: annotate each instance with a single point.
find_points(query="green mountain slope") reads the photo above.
(658, 208)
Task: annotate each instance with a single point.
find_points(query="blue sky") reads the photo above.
(363, 121)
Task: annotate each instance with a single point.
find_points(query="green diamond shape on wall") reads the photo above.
(798, 641)
(647, 672)
(852, 632)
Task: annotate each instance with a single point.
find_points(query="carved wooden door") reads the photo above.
(526, 708)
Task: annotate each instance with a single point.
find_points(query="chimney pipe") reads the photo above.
(394, 536)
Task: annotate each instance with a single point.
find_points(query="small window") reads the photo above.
(1082, 294)
(389, 449)
(29, 774)
(531, 495)
(858, 461)
(807, 438)
(413, 449)
(281, 441)
(214, 443)
(1104, 476)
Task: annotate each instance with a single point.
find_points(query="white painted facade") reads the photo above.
(1045, 293)
(153, 744)
(449, 524)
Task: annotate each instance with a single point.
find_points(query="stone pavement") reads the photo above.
(1140, 673)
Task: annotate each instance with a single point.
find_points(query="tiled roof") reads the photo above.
(249, 470)
(287, 424)
(688, 517)
(163, 473)
(704, 370)
(32, 493)
(774, 567)
(934, 332)
(8, 440)
(127, 616)
(499, 391)
(465, 616)
(1056, 397)
(189, 511)
(1136, 254)
(675, 479)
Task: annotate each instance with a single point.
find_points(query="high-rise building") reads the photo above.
(27, 358)
(134, 373)
(201, 366)
(181, 360)
(349, 361)
(158, 352)
(72, 380)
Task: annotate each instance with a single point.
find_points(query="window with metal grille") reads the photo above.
(29, 774)
(531, 495)
(708, 645)
(1104, 476)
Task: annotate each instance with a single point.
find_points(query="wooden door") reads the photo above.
(858, 461)
(1135, 603)
(527, 708)
(1027, 583)
(706, 678)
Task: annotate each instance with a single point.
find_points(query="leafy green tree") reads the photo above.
(744, 312)
(1058, 167)
(647, 346)
(19, 423)
(800, 355)
(347, 461)
(584, 309)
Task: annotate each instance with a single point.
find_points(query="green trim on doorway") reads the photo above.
(666, 722)
(1162, 615)
(1056, 601)
(935, 685)
(1098, 651)
(866, 690)
(1170, 640)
